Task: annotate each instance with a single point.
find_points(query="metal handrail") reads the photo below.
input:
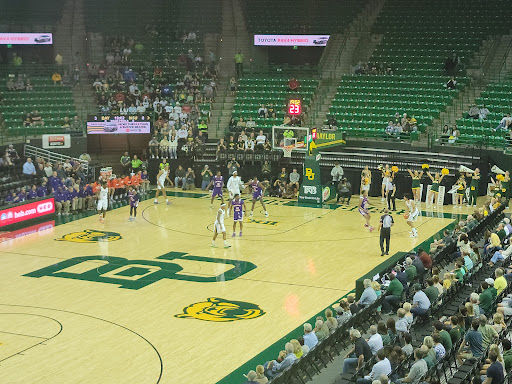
(53, 157)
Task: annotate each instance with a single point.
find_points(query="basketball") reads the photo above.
(406, 216)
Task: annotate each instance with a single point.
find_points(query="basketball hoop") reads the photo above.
(287, 151)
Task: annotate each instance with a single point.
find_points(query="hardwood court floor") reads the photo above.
(109, 316)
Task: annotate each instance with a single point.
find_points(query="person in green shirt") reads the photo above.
(446, 340)
(410, 270)
(136, 163)
(431, 291)
(485, 299)
(393, 294)
(239, 64)
(455, 332)
(507, 354)
(203, 127)
(139, 47)
(489, 334)
(16, 60)
(492, 289)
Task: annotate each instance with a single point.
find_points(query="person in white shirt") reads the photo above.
(182, 132)
(505, 122)
(102, 201)
(170, 110)
(262, 111)
(173, 146)
(132, 109)
(177, 109)
(375, 341)
(381, 367)
(234, 184)
(482, 115)
(261, 138)
(219, 226)
(141, 109)
(337, 173)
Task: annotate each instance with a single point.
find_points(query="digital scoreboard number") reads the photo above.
(295, 107)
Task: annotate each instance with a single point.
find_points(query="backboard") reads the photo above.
(284, 136)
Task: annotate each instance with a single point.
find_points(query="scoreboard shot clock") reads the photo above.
(294, 106)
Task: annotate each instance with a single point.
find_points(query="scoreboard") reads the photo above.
(294, 106)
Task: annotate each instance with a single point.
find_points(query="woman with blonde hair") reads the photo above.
(493, 348)
(297, 349)
(428, 341)
(498, 323)
(376, 287)
(330, 321)
(449, 279)
(408, 315)
(260, 375)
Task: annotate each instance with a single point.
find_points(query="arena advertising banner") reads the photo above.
(26, 212)
(40, 229)
(26, 38)
(291, 40)
(119, 124)
(56, 141)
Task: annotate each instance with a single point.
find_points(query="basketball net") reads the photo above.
(287, 151)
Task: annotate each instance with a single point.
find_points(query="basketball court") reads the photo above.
(151, 302)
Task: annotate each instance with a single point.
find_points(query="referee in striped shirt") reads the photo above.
(385, 224)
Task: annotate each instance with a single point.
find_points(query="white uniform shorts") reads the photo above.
(385, 180)
(365, 187)
(158, 186)
(413, 216)
(102, 205)
(233, 193)
(219, 227)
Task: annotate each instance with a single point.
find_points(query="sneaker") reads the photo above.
(227, 246)
(169, 203)
(214, 246)
(156, 202)
(382, 254)
(240, 234)
(474, 206)
(250, 215)
(371, 229)
(460, 206)
(412, 235)
(468, 206)
(266, 214)
(233, 235)
(387, 253)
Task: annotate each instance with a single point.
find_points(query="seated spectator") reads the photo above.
(57, 78)
(401, 275)
(294, 179)
(319, 331)
(418, 369)
(500, 283)
(368, 296)
(342, 313)
(286, 358)
(250, 124)
(474, 112)
(19, 84)
(10, 84)
(431, 291)
(310, 338)
(393, 294)
(451, 84)
(359, 354)
(179, 176)
(66, 123)
(486, 298)
(505, 122)
(483, 112)
(262, 111)
(36, 119)
(375, 342)
(401, 325)
(410, 270)
(153, 147)
(420, 301)
(381, 367)
(489, 334)
(494, 373)
(472, 345)
(293, 85)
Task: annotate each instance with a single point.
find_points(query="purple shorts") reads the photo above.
(256, 196)
(216, 192)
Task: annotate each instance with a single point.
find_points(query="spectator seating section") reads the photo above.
(415, 48)
(54, 102)
(300, 17)
(200, 16)
(496, 98)
(254, 91)
(364, 105)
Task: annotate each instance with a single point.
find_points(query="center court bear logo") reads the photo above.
(221, 310)
(90, 236)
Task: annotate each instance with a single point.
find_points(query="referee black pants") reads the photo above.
(391, 201)
(385, 234)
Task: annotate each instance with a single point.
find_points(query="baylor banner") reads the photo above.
(311, 188)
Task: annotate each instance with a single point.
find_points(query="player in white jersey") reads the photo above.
(160, 183)
(413, 214)
(234, 185)
(219, 226)
(102, 201)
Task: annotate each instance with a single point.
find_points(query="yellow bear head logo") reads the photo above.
(90, 236)
(221, 310)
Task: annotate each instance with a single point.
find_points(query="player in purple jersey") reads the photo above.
(257, 194)
(238, 209)
(133, 198)
(363, 210)
(218, 183)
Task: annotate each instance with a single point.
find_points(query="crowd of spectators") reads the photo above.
(412, 336)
